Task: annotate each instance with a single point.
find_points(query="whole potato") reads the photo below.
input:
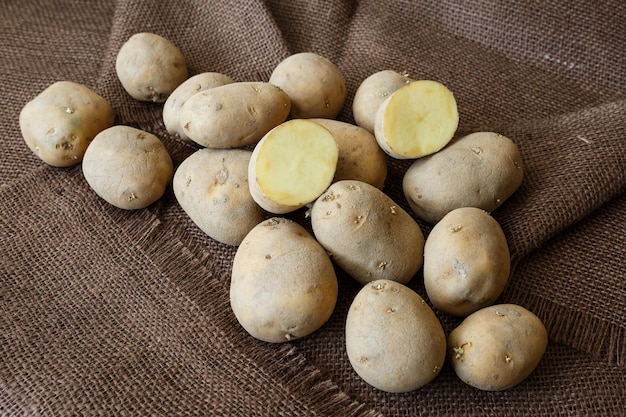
(360, 157)
(366, 233)
(315, 85)
(150, 67)
(127, 167)
(233, 115)
(394, 340)
(211, 186)
(497, 347)
(175, 101)
(60, 122)
(466, 261)
(480, 170)
(283, 285)
(371, 94)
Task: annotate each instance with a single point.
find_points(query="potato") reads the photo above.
(283, 285)
(127, 167)
(366, 233)
(60, 122)
(175, 101)
(466, 261)
(497, 347)
(233, 115)
(416, 120)
(292, 165)
(371, 94)
(150, 67)
(480, 170)
(360, 157)
(315, 85)
(211, 186)
(394, 340)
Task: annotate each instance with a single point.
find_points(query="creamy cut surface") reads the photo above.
(292, 165)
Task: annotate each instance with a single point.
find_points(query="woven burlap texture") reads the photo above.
(111, 312)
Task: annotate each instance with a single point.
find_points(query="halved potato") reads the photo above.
(292, 165)
(417, 120)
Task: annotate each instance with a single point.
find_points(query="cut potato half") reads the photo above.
(292, 165)
(417, 120)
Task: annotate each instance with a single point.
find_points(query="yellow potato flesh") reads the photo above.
(418, 120)
(295, 163)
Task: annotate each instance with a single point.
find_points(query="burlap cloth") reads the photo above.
(108, 312)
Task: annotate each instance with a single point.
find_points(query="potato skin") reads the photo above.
(60, 122)
(371, 94)
(283, 284)
(150, 67)
(360, 157)
(175, 101)
(394, 340)
(466, 261)
(234, 115)
(314, 84)
(497, 347)
(127, 167)
(367, 234)
(211, 186)
(480, 170)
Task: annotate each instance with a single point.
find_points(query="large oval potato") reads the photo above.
(283, 284)
(466, 261)
(314, 84)
(60, 122)
(211, 186)
(150, 67)
(233, 115)
(175, 101)
(371, 94)
(394, 340)
(497, 347)
(366, 233)
(360, 157)
(480, 170)
(127, 167)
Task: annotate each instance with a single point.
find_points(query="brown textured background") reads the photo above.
(108, 312)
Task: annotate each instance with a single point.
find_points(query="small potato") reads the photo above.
(292, 165)
(416, 120)
(233, 115)
(315, 85)
(283, 285)
(150, 67)
(497, 347)
(367, 234)
(127, 167)
(480, 170)
(360, 157)
(175, 101)
(394, 340)
(211, 186)
(466, 261)
(61, 121)
(371, 94)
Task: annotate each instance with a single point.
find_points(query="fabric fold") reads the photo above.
(96, 311)
(575, 283)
